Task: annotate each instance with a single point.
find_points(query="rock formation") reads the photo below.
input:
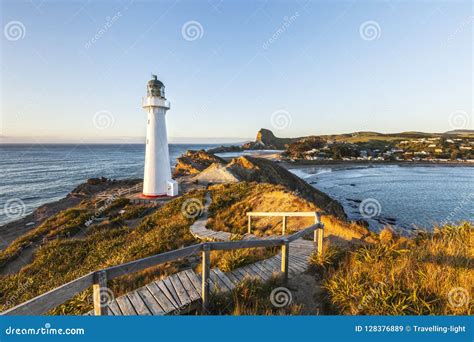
(193, 162)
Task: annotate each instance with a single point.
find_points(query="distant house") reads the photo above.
(439, 150)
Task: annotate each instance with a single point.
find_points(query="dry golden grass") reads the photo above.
(431, 274)
(250, 297)
(60, 261)
(231, 202)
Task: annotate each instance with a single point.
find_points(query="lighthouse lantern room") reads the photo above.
(157, 181)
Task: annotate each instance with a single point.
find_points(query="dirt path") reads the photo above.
(307, 291)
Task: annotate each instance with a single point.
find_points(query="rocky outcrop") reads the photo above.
(266, 140)
(265, 171)
(193, 162)
(224, 149)
(207, 168)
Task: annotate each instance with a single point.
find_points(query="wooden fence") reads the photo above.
(285, 216)
(98, 279)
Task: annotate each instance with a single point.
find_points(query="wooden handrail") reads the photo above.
(51, 299)
(141, 264)
(283, 213)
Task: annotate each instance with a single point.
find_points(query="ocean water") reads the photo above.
(402, 196)
(399, 195)
(38, 174)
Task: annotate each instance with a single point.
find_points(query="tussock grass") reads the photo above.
(400, 276)
(331, 256)
(250, 297)
(60, 261)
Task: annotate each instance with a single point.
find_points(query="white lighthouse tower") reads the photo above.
(157, 181)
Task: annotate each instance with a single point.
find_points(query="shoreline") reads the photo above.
(14, 229)
(305, 163)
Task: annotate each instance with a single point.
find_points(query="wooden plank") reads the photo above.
(275, 263)
(138, 304)
(180, 290)
(237, 275)
(249, 271)
(267, 264)
(125, 306)
(195, 281)
(263, 270)
(270, 270)
(167, 283)
(241, 273)
(150, 301)
(263, 275)
(220, 283)
(295, 267)
(190, 290)
(49, 300)
(161, 298)
(141, 264)
(164, 289)
(114, 309)
(225, 279)
(232, 278)
(303, 260)
(299, 267)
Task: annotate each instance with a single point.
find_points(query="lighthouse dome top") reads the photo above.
(155, 87)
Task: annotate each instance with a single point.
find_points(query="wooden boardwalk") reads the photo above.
(181, 292)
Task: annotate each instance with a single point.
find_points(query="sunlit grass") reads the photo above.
(403, 276)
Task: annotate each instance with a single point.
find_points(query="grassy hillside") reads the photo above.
(431, 274)
(231, 202)
(109, 243)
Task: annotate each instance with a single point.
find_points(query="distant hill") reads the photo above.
(267, 140)
(461, 132)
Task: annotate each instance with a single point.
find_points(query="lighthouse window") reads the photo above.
(148, 121)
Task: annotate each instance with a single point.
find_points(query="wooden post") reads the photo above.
(285, 254)
(283, 232)
(206, 266)
(250, 224)
(319, 234)
(100, 293)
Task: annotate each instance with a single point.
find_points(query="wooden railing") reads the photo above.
(98, 279)
(104, 197)
(284, 216)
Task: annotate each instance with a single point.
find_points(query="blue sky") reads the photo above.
(295, 67)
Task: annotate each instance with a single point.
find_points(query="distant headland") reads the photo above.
(452, 146)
